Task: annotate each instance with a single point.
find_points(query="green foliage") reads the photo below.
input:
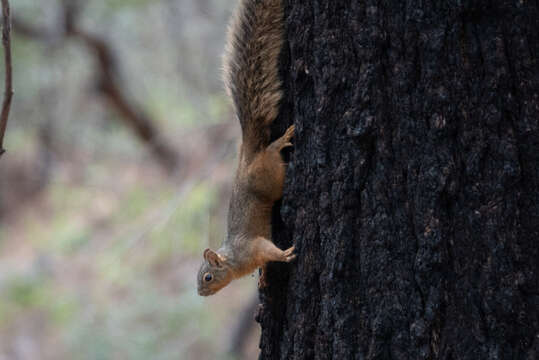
(25, 292)
(35, 292)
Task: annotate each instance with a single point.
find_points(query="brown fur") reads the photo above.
(255, 39)
(251, 68)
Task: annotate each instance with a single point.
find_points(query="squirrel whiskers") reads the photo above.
(251, 76)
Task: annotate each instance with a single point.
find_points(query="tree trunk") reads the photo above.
(412, 193)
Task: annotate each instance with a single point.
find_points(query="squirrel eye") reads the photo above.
(208, 277)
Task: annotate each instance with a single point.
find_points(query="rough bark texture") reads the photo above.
(413, 190)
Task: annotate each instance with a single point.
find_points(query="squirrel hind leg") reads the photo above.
(267, 171)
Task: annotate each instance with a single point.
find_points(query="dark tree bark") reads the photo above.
(412, 194)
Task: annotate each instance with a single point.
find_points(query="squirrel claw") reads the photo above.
(290, 258)
(289, 133)
(289, 251)
(283, 141)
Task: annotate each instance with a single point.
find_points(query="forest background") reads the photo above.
(120, 153)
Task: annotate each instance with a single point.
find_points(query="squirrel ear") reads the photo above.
(213, 258)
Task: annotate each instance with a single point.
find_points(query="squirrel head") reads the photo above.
(214, 273)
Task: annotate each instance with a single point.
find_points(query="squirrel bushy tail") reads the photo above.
(251, 68)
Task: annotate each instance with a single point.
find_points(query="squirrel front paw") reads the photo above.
(289, 254)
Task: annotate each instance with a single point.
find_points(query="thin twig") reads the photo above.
(8, 90)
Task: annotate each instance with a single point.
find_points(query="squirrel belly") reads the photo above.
(251, 76)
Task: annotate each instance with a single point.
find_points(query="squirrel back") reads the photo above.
(251, 63)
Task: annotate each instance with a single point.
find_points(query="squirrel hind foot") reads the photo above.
(289, 134)
(290, 131)
(284, 141)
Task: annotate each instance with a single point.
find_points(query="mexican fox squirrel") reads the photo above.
(251, 77)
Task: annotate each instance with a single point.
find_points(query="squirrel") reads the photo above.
(251, 76)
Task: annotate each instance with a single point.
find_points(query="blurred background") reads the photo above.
(121, 150)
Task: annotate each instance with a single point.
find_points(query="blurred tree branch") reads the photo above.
(8, 90)
(132, 114)
(31, 31)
